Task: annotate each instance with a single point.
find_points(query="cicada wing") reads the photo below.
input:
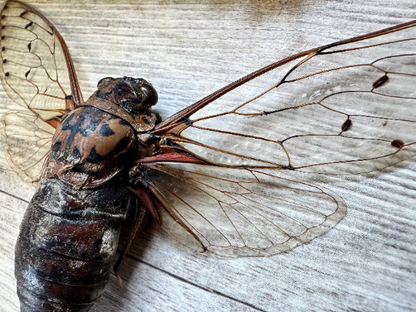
(37, 70)
(38, 74)
(242, 212)
(26, 139)
(349, 107)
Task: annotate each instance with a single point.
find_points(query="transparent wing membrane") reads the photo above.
(27, 141)
(349, 108)
(241, 212)
(346, 108)
(36, 73)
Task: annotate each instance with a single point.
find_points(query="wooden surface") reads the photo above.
(188, 50)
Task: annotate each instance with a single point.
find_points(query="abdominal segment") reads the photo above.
(66, 243)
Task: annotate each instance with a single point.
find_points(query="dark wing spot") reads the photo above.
(23, 13)
(105, 130)
(28, 25)
(397, 143)
(380, 81)
(346, 125)
(29, 46)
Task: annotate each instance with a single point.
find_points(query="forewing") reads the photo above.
(242, 212)
(37, 73)
(343, 108)
(349, 107)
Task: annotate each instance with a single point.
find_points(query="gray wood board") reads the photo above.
(188, 50)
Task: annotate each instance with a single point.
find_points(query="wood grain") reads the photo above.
(188, 50)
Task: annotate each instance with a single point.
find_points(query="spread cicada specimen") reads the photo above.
(211, 174)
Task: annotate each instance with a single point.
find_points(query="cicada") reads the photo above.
(212, 175)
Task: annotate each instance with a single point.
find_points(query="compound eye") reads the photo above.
(150, 94)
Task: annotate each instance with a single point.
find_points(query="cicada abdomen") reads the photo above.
(66, 243)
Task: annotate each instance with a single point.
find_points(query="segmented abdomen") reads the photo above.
(67, 240)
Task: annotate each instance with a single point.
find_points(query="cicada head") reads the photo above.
(134, 95)
(128, 98)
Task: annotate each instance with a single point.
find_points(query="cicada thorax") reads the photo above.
(71, 228)
(89, 146)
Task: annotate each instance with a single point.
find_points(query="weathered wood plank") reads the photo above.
(187, 50)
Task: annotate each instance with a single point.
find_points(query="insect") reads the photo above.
(205, 179)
